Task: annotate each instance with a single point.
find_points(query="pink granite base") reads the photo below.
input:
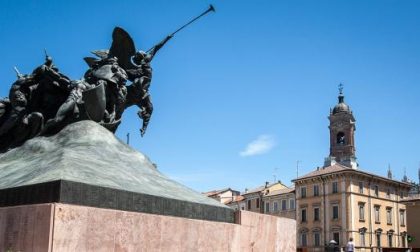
(62, 227)
(26, 228)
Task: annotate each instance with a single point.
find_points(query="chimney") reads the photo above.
(266, 184)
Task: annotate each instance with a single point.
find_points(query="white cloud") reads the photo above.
(261, 145)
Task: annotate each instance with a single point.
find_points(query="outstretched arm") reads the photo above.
(157, 47)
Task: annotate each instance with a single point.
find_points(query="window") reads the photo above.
(249, 204)
(402, 195)
(403, 239)
(335, 187)
(275, 206)
(303, 240)
(402, 217)
(389, 215)
(376, 191)
(362, 239)
(336, 237)
(361, 211)
(258, 203)
(388, 193)
(267, 207)
(317, 239)
(284, 205)
(316, 214)
(360, 187)
(378, 240)
(389, 240)
(377, 219)
(335, 212)
(303, 215)
(303, 192)
(292, 203)
(316, 190)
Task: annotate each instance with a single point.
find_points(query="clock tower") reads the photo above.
(342, 128)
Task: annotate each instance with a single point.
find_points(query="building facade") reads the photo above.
(339, 201)
(280, 203)
(413, 218)
(223, 195)
(238, 203)
(254, 198)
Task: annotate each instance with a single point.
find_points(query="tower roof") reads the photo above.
(341, 106)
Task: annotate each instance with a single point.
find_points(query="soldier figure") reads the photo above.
(69, 107)
(113, 77)
(18, 95)
(141, 77)
(20, 122)
(49, 72)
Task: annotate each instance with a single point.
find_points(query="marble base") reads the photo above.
(64, 227)
(85, 164)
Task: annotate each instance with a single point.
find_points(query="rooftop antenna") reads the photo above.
(274, 174)
(297, 168)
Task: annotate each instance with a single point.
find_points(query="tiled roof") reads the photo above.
(281, 191)
(323, 171)
(255, 190)
(236, 199)
(215, 192)
(260, 188)
(339, 168)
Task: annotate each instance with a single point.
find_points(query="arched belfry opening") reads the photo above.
(341, 138)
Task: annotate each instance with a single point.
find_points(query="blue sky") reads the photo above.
(257, 74)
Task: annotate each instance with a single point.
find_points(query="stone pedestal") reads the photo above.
(84, 190)
(64, 227)
(85, 164)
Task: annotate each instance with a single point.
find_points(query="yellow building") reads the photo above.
(280, 203)
(254, 198)
(339, 201)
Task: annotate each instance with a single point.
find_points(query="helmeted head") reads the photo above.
(139, 56)
(48, 61)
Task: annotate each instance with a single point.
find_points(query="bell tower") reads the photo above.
(342, 128)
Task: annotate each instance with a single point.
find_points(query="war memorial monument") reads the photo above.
(68, 184)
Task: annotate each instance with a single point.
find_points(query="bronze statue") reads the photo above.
(137, 66)
(45, 101)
